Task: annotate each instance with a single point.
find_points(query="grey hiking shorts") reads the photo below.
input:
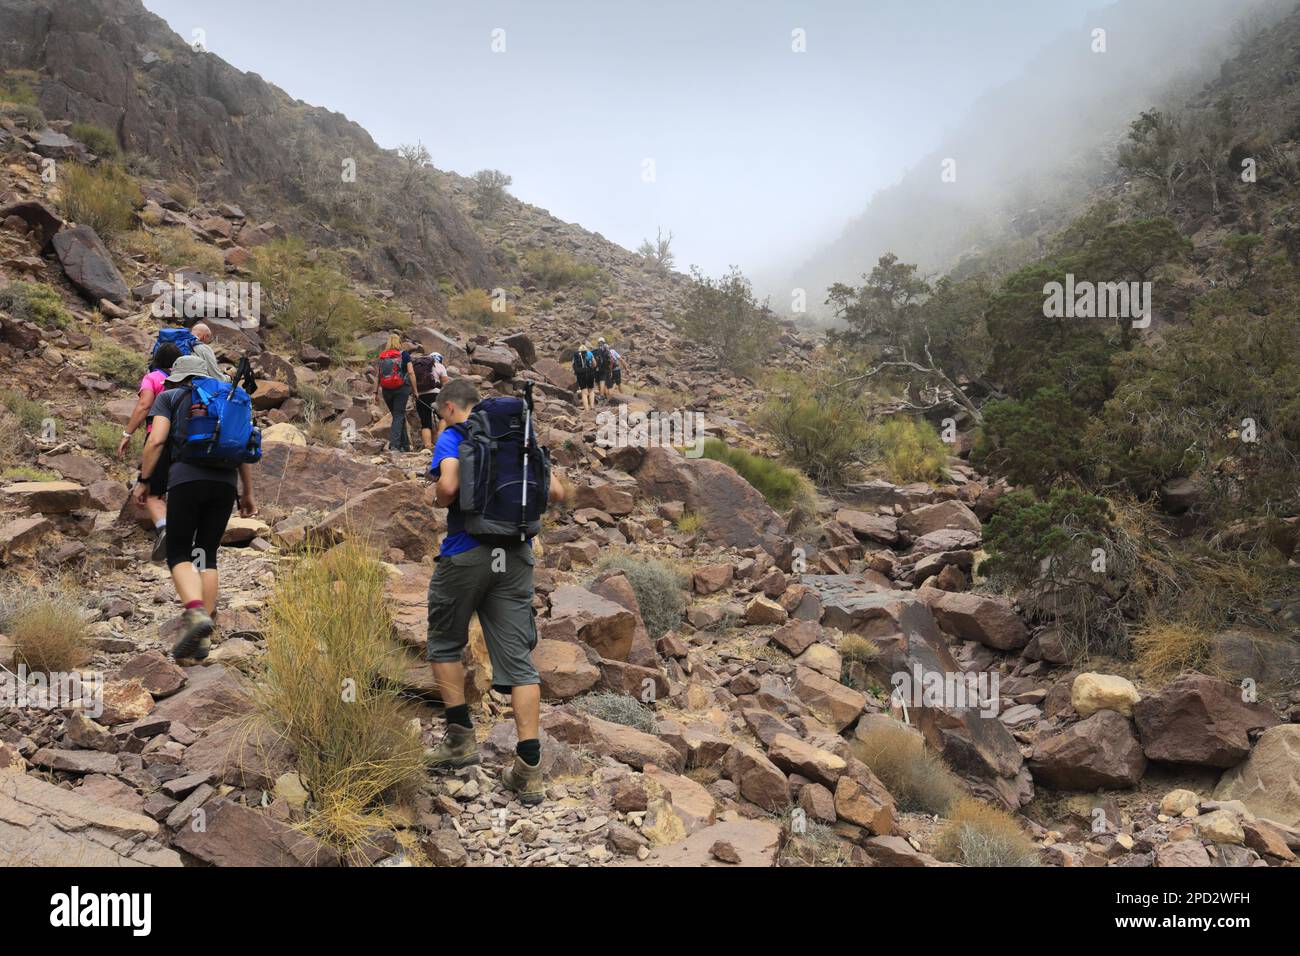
(497, 583)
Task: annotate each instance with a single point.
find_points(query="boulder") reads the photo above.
(875, 527)
(945, 514)
(625, 744)
(797, 756)
(235, 835)
(89, 266)
(1092, 692)
(830, 700)
(758, 779)
(599, 622)
(564, 668)
(48, 497)
(977, 617)
(314, 477)
(400, 515)
(1100, 751)
(1268, 781)
(1199, 720)
(212, 692)
(862, 800)
(284, 432)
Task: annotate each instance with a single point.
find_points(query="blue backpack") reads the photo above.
(502, 502)
(183, 339)
(219, 430)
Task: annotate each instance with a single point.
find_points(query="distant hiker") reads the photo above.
(584, 370)
(151, 386)
(485, 567)
(430, 376)
(616, 370)
(393, 385)
(603, 365)
(207, 426)
(204, 351)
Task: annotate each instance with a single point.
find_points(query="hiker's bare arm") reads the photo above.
(448, 486)
(162, 426)
(557, 490)
(138, 415)
(247, 504)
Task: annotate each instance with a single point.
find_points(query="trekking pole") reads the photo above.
(528, 424)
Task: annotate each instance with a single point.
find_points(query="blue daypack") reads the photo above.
(219, 431)
(493, 480)
(183, 339)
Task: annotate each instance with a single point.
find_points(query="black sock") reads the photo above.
(459, 716)
(530, 751)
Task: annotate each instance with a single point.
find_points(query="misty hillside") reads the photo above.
(1029, 153)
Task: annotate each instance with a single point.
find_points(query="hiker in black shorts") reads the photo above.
(430, 376)
(199, 503)
(584, 370)
(603, 368)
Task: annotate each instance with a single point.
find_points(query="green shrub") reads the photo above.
(17, 88)
(818, 427)
(28, 473)
(175, 247)
(917, 778)
(107, 436)
(979, 834)
(30, 413)
(659, 590)
(723, 315)
(910, 450)
(35, 302)
(554, 269)
(618, 709)
(473, 307)
(1034, 442)
(116, 363)
(104, 198)
(1024, 531)
(782, 487)
(98, 140)
(28, 116)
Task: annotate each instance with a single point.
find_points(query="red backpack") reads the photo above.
(391, 373)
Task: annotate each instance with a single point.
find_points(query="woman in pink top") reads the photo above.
(155, 503)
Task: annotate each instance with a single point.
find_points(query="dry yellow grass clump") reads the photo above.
(326, 687)
(48, 633)
(917, 777)
(979, 834)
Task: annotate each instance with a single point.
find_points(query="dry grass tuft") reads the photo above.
(979, 834)
(49, 633)
(917, 778)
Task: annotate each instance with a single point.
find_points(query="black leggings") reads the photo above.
(197, 514)
(424, 406)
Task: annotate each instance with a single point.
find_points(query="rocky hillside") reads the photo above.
(725, 683)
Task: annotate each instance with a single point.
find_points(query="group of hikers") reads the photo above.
(599, 369)
(196, 467)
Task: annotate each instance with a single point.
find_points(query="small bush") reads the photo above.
(910, 450)
(782, 487)
(553, 269)
(28, 116)
(49, 633)
(854, 647)
(140, 164)
(618, 709)
(98, 140)
(820, 428)
(688, 523)
(917, 778)
(327, 688)
(103, 198)
(182, 195)
(1165, 649)
(28, 473)
(978, 834)
(813, 844)
(17, 89)
(30, 413)
(658, 588)
(176, 248)
(116, 362)
(107, 435)
(35, 302)
(473, 307)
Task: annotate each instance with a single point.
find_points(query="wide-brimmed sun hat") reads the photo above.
(188, 366)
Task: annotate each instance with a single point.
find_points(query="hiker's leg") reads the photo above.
(156, 509)
(218, 503)
(397, 433)
(453, 593)
(526, 701)
(510, 632)
(182, 522)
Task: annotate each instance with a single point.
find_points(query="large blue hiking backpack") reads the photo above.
(183, 339)
(501, 497)
(219, 430)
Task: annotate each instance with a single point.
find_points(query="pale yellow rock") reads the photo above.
(1176, 802)
(1092, 692)
(289, 788)
(1220, 827)
(1124, 840)
(285, 433)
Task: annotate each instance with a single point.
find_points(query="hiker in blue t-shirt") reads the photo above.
(496, 583)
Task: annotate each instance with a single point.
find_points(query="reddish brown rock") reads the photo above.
(601, 623)
(1100, 751)
(564, 668)
(976, 617)
(1199, 720)
(757, 778)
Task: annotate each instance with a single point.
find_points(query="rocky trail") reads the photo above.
(733, 737)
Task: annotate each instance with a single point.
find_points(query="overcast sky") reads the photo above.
(759, 153)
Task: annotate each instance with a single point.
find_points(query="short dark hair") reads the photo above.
(461, 391)
(164, 358)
